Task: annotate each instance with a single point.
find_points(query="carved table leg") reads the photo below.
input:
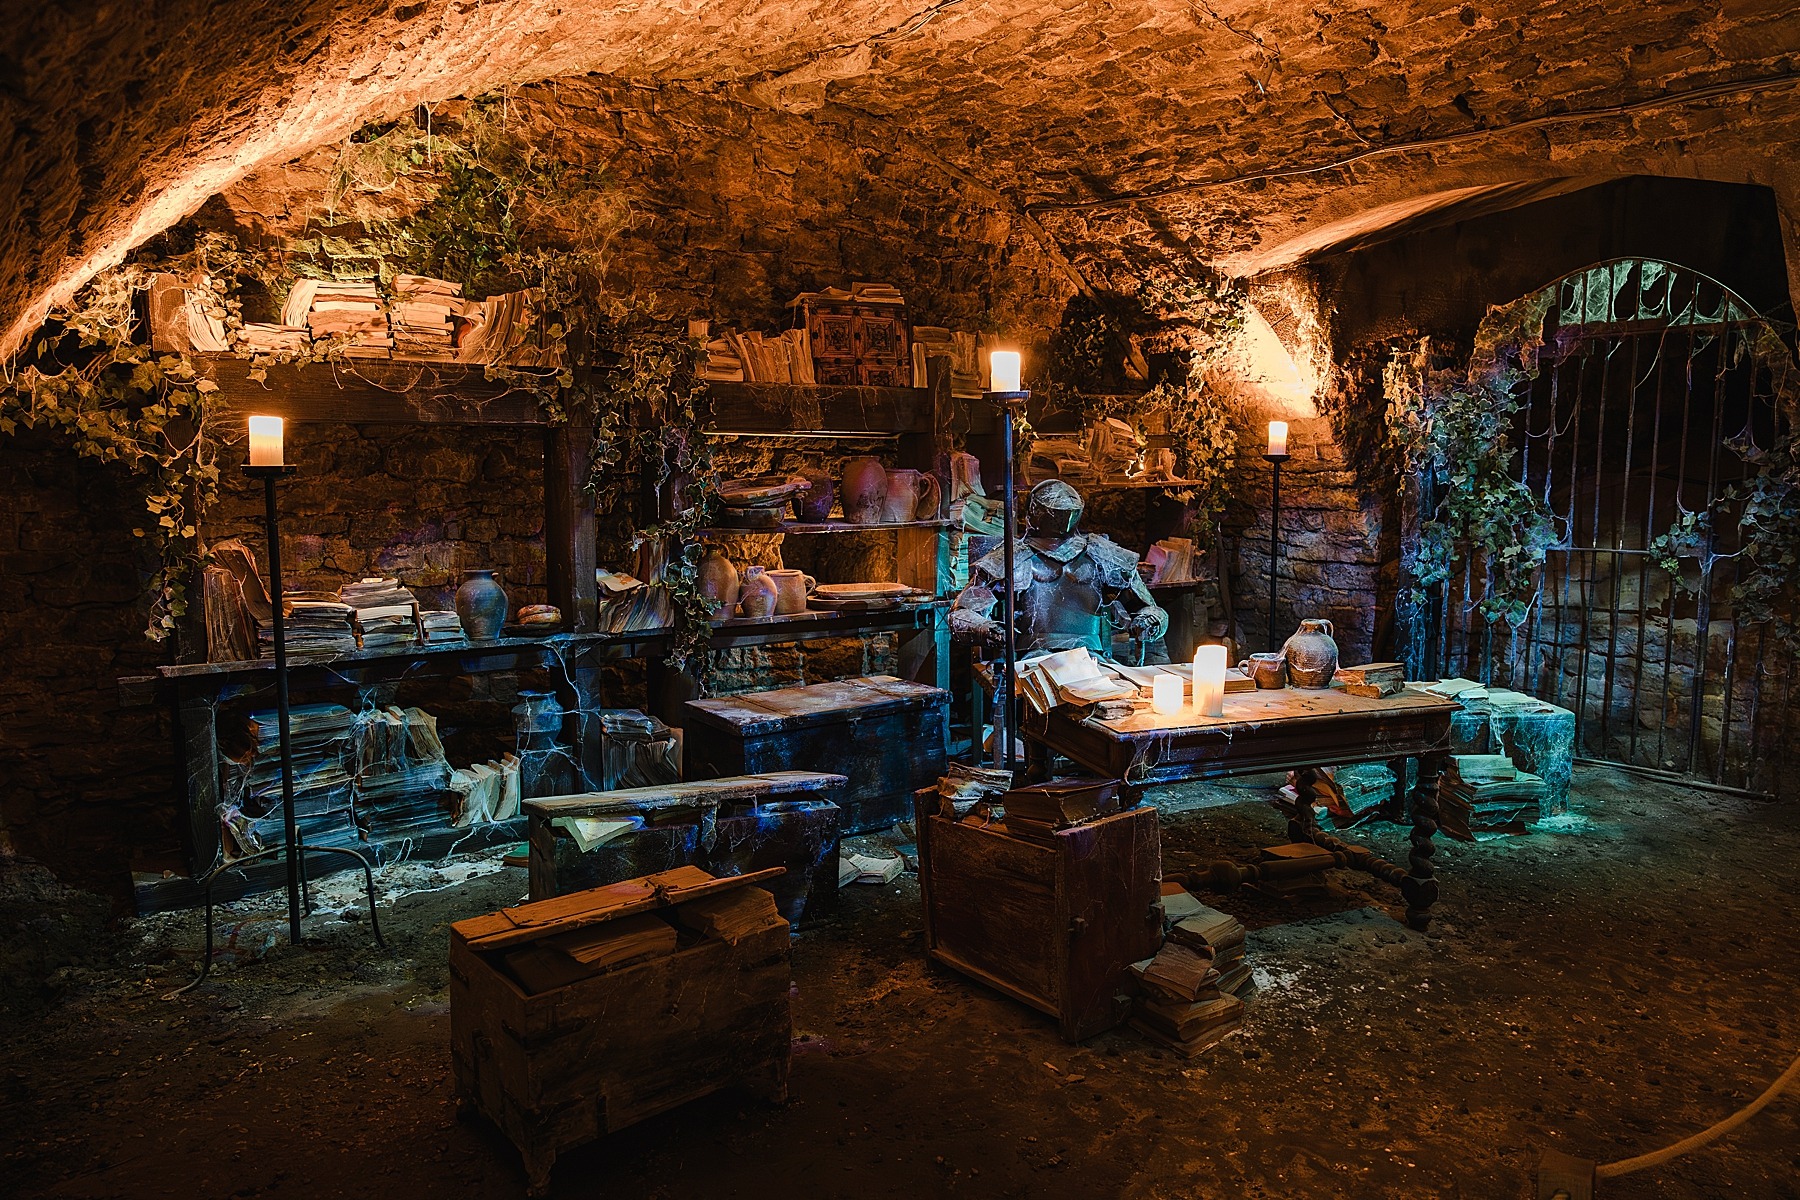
(1420, 887)
(1303, 824)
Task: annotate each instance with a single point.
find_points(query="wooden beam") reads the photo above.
(804, 408)
(373, 392)
(570, 528)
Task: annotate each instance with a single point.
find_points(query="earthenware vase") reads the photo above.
(1269, 670)
(814, 505)
(757, 593)
(1312, 654)
(864, 490)
(481, 605)
(791, 590)
(719, 582)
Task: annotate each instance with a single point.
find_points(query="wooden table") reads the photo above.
(1289, 729)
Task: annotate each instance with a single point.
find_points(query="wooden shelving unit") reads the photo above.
(400, 392)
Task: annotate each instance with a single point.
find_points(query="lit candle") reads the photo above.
(265, 442)
(1003, 371)
(1167, 694)
(1209, 680)
(1277, 437)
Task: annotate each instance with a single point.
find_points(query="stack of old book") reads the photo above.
(1071, 677)
(324, 793)
(1188, 995)
(627, 604)
(402, 776)
(1037, 812)
(348, 315)
(317, 623)
(781, 358)
(259, 337)
(1301, 867)
(423, 317)
(506, 329)
(637, 750)
(1487, 793)
(386, 613)
(876, 293)
(1372, 680)
(440, 626)
(723, 364)
(484, 792)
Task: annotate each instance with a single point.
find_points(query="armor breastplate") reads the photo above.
(1060, 607)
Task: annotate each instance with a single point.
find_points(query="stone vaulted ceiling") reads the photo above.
(1244, 135)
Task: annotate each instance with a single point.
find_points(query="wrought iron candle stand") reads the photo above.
(291, 847)
(1005, 716)
(1275, 461)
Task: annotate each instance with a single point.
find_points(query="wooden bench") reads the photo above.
(728, 826)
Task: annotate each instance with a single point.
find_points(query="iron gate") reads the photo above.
(1647, 377)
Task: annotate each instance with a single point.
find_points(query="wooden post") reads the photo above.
(570, 530)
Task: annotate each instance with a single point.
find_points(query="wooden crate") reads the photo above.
(729, 826)
(1051, 926)
(888, 735)
(560, 1068)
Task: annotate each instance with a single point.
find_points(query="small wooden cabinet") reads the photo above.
(1053, 926)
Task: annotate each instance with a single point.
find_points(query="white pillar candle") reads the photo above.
(1003, 371)
(1277, 437)
(1209, 680)
(1167, 694)
(265, 442)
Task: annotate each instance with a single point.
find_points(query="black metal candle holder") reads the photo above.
(1275, 461)
(1005, 717)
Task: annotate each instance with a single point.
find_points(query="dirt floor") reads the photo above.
(1603, 988)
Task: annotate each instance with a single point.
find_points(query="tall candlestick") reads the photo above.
(265, 442)
(1166, 694)
(1277, 437)
(1209, 680)
(1003, 370)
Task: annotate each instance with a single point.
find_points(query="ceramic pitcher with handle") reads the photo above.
(911, 496)
(791, 590)
(1312, 654)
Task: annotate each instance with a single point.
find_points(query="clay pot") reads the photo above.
(719, 582)
(1312, 654)
(791, 590)
(911, 496)
(814, 505)
(481, 605)
(756, 593)
(1269, 670)
(864, 490)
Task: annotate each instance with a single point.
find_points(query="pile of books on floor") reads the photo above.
(1486, 793)
(1190, 995)
(1039, 811)
(402, 776)
(1363, 789)
(386, 613)
(317, 623)
(347, 314)
(423, 316)
(324, 786)
(1372, 680)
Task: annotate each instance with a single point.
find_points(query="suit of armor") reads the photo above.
(1067, 584)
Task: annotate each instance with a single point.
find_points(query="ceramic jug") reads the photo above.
(1312, 654)
(911, 496)
(864, 491)
(757, 593)
(481, 605)
(1268, 669)
(791, 590)
(814, 504)
(719, 582)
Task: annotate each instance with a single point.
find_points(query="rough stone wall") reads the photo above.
(84, 783)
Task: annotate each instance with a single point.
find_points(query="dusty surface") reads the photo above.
(1604, 988)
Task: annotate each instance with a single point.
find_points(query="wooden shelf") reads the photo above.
(373, 392)
(805, 527)
(778, 407)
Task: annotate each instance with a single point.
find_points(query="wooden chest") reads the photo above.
(1053, 926)
(561, 1067)
(852, 343)
(729, 826)
(888, 735)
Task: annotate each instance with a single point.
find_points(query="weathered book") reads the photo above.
(1063, 802)
(1187, 1022)
(1236, 980)
(730, 916)
(1210, 929)
(1206, 1030)
(1179, 973)
(1178, 904)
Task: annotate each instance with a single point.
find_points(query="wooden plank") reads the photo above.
(372, 391)
(702, 791)
(510, 926)
(571, 547)
(758, 713)
(776, 407)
